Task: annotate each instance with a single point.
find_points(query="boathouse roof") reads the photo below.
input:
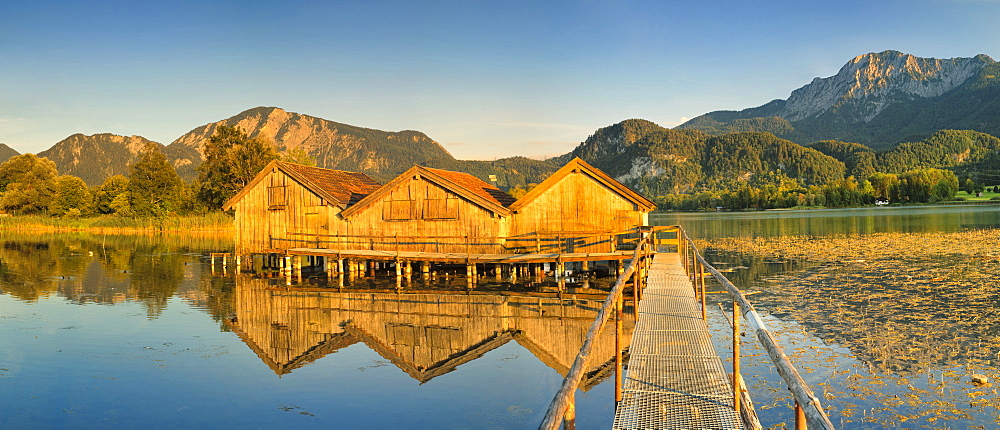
(578, 165)
(335, 187)
(465, 185)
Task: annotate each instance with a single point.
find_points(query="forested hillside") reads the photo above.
(689, 169)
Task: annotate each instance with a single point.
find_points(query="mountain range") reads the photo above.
(881, 111)
(879, 100)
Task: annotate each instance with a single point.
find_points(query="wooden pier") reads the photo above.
(674, 378)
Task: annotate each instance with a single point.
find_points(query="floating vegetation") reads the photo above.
(895, 329)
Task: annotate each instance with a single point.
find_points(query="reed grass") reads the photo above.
(211, 222)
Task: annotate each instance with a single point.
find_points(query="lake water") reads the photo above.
(104, 331)
(887, 312)
(140, 331)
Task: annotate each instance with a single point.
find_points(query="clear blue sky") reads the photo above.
(486, 79)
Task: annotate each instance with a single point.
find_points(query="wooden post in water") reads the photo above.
(618, 349)
(298, 267)
(800, 417)
(736, 357)
(286, 269)
(569, 418)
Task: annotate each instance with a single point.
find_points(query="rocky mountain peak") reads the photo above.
(96, 157)
(333, 145)
(875, 80)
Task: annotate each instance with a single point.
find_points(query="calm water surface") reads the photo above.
(833, 221)
(137, 331)
(886, 340)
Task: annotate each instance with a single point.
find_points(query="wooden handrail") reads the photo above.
(561, 401)
(539, 241)
(815, 415)
(543, 235)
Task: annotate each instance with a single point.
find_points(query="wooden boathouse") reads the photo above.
(580, 201)
(424, 203)
(287, 197)
(432, 215)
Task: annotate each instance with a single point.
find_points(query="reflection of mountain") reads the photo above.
(425, 334)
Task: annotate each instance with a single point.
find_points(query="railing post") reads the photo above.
(618, 349)
(736, 357)
(704, 299)
(635, 300)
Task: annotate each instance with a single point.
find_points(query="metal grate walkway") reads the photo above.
(675, 379)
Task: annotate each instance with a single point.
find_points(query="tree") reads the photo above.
(106, 193)
(298, 156)
(72, 197)
(28, 184)
(969, 186)
(154, 189)
(927, 185)
(232, 159)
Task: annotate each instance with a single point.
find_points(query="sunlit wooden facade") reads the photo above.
(287, 197)
(460, 212)
(579, 200)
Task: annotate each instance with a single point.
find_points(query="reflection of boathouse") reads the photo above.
(425, 334)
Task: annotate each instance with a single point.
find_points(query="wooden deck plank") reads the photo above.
(674, 379)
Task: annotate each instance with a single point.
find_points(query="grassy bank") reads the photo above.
(213, 222)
